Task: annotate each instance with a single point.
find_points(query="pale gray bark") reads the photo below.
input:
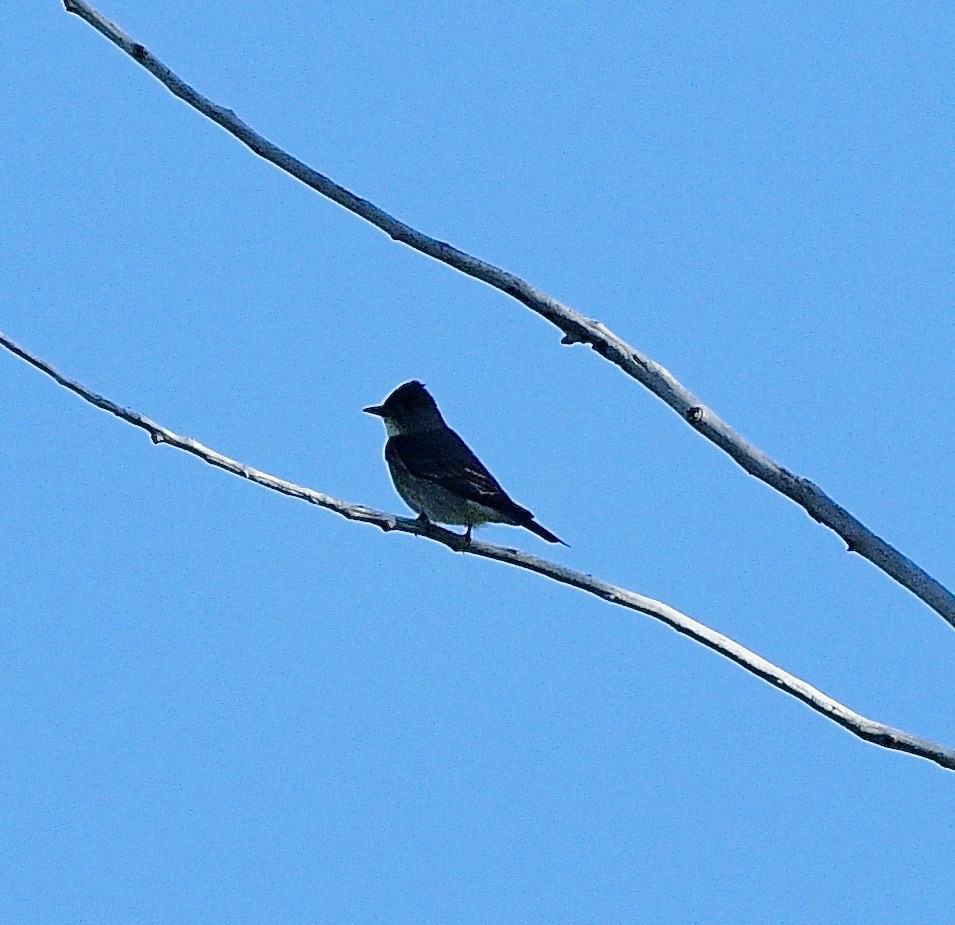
(867, 729)
(576, 327)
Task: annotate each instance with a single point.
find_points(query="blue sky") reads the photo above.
(223, 705)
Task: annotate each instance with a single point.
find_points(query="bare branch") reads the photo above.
(576, 328)
(867, 729)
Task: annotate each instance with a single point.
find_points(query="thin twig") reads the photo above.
(577, 329)
(867, 729)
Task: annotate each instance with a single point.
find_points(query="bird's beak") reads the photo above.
(377, 410)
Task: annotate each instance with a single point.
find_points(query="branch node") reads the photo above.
(156, 437)
(695, 414)
(139, 52)
(568, 340)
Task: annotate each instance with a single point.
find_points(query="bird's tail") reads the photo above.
(544, 533)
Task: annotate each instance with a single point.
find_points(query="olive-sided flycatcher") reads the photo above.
(435, 471)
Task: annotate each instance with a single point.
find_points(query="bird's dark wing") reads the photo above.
(445, 459)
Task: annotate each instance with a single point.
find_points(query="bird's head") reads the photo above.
(409, 408)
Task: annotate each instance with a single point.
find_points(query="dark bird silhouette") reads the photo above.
(435, 471)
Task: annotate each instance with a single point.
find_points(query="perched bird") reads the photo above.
(435, 471)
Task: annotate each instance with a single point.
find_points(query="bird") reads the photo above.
(436, 473)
